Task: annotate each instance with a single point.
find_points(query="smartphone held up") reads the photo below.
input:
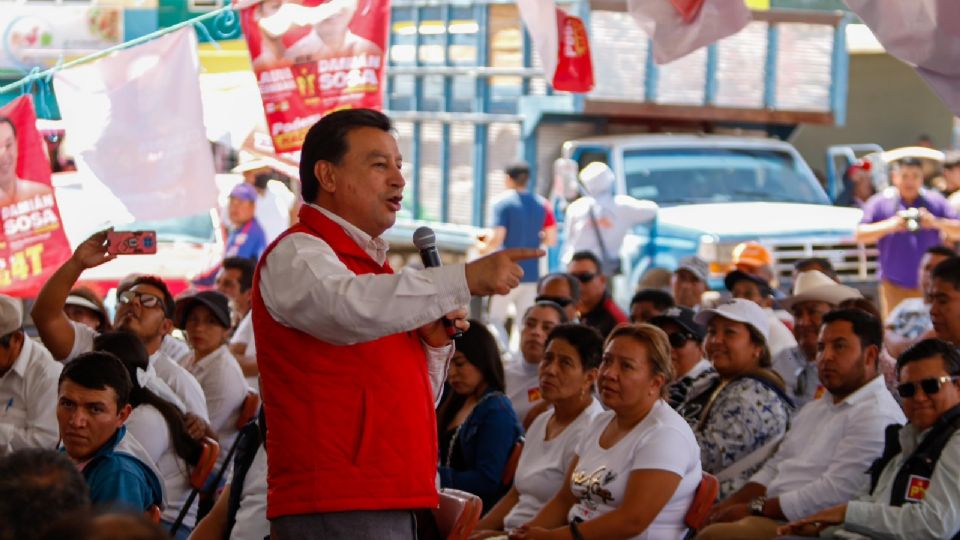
(132, 242)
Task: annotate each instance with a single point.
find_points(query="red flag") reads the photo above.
(314, 57)
(32, 243)
(574, 67)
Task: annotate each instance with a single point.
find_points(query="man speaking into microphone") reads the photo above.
(352, 356)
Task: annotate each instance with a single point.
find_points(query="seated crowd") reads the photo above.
(810, 414)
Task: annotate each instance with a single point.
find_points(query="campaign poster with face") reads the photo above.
(313, 57)
(32, 243)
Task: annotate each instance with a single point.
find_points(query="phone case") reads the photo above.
(132, 242)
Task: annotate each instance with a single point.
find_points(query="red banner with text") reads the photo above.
(574, 66)
(312, 57)
(32, 244)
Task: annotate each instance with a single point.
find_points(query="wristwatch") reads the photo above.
(756, 505)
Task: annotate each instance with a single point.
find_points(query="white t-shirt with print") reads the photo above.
(661, 441)
(543, 464)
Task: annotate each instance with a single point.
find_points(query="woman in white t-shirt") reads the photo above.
(637, 466)
(159, 426)
(568, 371)
(205, 316)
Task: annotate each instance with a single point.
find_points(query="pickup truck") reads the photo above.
(716, 191)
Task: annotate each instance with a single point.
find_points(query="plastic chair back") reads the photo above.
(458, 514)
(204, 466)
(703, 500)
(511, 468)
(249, 408)
(153, 514)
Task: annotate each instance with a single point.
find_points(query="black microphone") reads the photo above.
(426, 242)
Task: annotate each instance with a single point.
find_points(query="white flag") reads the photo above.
(540, 19)
(135, 121)
(922, 33)
(673, 38)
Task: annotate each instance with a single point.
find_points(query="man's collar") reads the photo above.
(111, 444)
(362, 239)
(864, 392)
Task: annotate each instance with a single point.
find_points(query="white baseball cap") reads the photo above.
(11, 314)
(739, 310)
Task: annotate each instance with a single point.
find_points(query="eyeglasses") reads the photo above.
(559, 300)
(930, 386)
(584, 277)
(146, 300)
(678, 339)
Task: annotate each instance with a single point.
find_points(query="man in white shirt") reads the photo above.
(814, 295)
(328, 310)
(235, 280)
(521, 374)
(145, 309)
(913, 489)
(833, 440)
(28, 385)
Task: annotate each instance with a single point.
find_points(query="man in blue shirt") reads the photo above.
(905, 221)
(92, 406)
(521, 218)
(247, 238)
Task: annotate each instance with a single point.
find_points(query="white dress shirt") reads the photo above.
(174, 378)
(150, 429)
(28, 400)
(822, 459)
(305, 286)
(175, 348)
(936, 516)
(223, 384)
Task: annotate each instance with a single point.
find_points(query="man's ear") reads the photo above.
(326, 176)
(124, 413)
(166, 327)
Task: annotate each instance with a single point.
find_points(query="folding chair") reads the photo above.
(210, 450)
(458, 513)
(703, 501)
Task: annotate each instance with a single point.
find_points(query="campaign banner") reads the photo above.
(134, 120)
(32, 244)
(312, 57)
(41, 35)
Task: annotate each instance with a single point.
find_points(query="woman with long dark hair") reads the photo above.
(476, 423)
(158, 425)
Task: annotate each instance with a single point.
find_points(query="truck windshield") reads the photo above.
(718, 175)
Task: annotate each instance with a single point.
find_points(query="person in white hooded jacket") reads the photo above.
(599, 220)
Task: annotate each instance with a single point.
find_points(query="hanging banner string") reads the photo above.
(224, 15)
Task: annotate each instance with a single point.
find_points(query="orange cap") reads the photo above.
(751, 254)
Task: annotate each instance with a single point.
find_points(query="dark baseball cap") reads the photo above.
(682, 317)
(215, 301)
(737, 276)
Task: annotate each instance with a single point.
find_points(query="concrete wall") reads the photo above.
(887, 103)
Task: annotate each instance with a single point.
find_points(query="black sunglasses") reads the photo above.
(584, 277)
(559, 300)
(930, 386)
(678, 339)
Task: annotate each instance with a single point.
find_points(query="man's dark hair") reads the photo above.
(586, 255)
(128, 348)
(943, 251)
(154, 281)
(245, 266)
(37, 487)
(930, 348)
(6, 338)
(6, 120)
(106, 524)
(547, 304)
(949, 271)
(585, 339)
(661, 300)
(573, 282)
(518, 172)
(816, 263)
(260, 180)
(99, 371)
(327, 141)
(951, 159)
(867, 327)
(908, 162)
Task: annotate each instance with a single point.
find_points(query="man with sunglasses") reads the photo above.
(562, 289)
(597, 309)
(144, 308)
(831, 443)
(695, 375)
(913, 489)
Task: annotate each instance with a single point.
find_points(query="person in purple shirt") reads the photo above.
(905, 221)
(247, 239)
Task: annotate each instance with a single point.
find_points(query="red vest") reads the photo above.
(349, 427)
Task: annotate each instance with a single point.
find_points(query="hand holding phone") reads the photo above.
(132, 242)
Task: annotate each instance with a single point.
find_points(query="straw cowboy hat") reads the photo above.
(815, 286)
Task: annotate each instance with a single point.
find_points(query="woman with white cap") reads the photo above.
(749, 411)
